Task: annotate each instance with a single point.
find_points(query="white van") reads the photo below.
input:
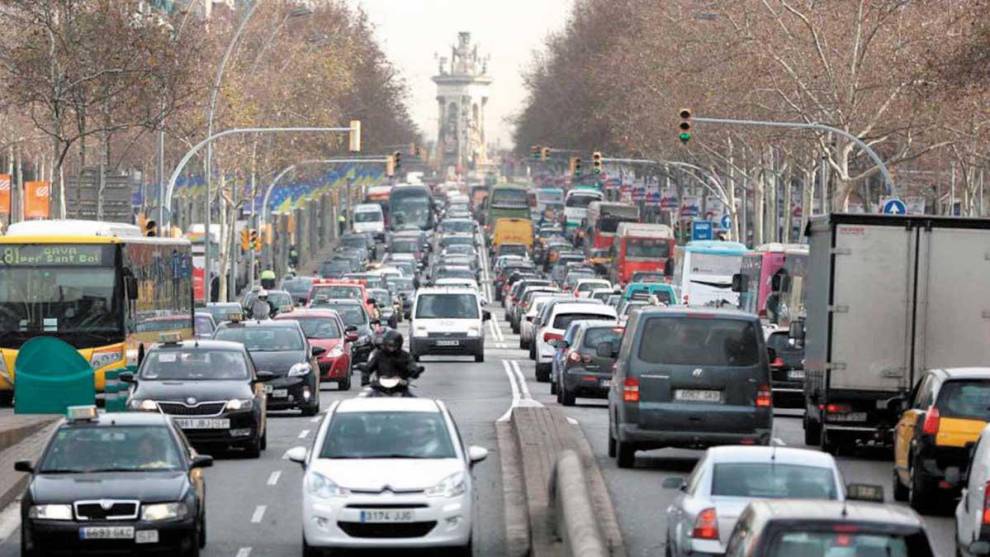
(369, 218)
(448, 320)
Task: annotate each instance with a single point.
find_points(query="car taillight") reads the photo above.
(764, 397)
(574, 357)
(986, 503)
(930, 425)
(550, 337)
(706, 525)
(630, 390)
(837, 408)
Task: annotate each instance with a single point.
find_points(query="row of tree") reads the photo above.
(90, 82)
(906, 77)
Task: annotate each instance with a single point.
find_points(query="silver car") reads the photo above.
(727, 478)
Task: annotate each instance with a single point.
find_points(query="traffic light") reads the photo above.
(596, 162)
(354, 137)
(545, 154)
(534, 152)
(390, 166)
(150, 228)
(245, 240)
(685, 126)
(253, 240)
(575, 166)
(397, 161)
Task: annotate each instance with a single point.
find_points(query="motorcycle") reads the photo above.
(387, 386)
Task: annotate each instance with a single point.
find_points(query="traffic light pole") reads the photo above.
(811, 126)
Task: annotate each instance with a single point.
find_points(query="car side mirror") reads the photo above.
(201, 461)
(297, 455)
(771, 354)
(262, 376)
(797, 331)
(979, 548)
(486, 315)
(738, 282)
(668, 269)
(23, 466)
(674, 482)
(130, 282)
(126, 377)
(775, 283)
(318, 351)
(477, 454)
(604, 349)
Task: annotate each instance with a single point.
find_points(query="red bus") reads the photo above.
(642, 248)
(603, 220)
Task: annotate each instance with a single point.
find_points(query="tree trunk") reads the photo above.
(759, 207)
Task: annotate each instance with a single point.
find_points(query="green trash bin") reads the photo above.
(49, 376)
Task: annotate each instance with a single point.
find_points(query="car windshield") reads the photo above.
(222, 312)
(589, 286)
(968, 399)
(81, 449)
(845, 544)
(204, 325)
(338, 292)
(263, 339)
(562, 320)
(447, 306)
(353, 315)
(387, 435)
(597, 335)
(512, 249)
(699, 341)
(297, 285)
(460, 226)
(319, 327)
(581, 201)
(663, 295)
(455, 273)
(367, 216)
(275, 299)
(399, 284)
(198, 364)
(404, 246)
(457, 241)
(354, 242)
(773, 480)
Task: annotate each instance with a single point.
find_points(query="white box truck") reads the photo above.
(888, 297)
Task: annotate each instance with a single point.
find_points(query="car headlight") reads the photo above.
(335, 352)
(103, 359)
(321, 486)
(240, 404)
(298, 370)
(50, 512)
(143, 405)
(361, 341)
(451, 486)
(473, 332)
(164, 511)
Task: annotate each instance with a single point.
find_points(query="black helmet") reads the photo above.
(392, 341)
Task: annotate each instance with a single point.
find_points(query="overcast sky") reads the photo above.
(413, 31)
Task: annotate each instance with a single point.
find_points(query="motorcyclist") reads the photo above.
(391, 361)
(268, 278)
(260, 308)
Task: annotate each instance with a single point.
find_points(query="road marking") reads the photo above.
(522, 380)
(273, 479)
(315, 419)
(244, 552)
(779, 441)
(572, 421)
(303, 433)
(515, 391)
(10, 519)
(259, 513)
(491, 327)
(285, 455)
(520, 390)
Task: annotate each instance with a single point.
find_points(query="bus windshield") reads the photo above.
(715, 264)
(647, 248)
(581, 201)
(72, 299)
(509, 197)
(749, 299)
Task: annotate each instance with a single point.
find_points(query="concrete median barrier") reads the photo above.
(574, 513)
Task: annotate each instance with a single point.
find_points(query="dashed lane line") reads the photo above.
(273, 478)
(259, 514)
(303, 433)
(244, 552)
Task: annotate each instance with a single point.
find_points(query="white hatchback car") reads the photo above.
(387, 473)
(973, 511)
(557, 322)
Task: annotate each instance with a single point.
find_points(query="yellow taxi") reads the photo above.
(941, 420)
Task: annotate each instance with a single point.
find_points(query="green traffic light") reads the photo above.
(684, 137)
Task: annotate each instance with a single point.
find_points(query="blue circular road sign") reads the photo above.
(894, 207)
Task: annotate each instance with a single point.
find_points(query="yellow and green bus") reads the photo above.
(506, 201)
(101, 287)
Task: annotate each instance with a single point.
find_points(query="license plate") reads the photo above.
(606, 383)
(386, 516)
(203, 423)
(279, 393)
(848, 417)
(268, 389)
(106, 533)
(448, 343)
(795, 374)
(691, 395)
(146, 536)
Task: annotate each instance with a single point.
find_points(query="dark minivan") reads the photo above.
(689, 378)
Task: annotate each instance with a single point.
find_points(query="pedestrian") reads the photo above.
(268, 278)
(293, 256)
(214, 288)
(342, 224)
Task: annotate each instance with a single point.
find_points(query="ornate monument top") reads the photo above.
(464, 59)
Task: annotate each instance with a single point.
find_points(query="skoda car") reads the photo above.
(119, 484)
(387, 473)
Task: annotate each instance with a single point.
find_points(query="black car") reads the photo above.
(587, 370)
(281, 348)
(786, 370)
(210, 387)
(114, 484)
(298, 287)
(337, 267)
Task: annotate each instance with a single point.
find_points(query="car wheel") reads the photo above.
(611, 443)
(24, 551)
(522, 344)
(812, 432)
(312, 409)
(542, 372)
(566, 397)
(466, 550)
(921, 496)
(625, 454)
(415, 357)
(345, 383)
(6, 398)
(308, 550)
(264, 439)
(532, 350)
(901, 491)
(253, 448)
(479, 357)
(202, 531)
(515, 328)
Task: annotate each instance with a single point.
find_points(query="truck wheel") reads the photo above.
(480, 356)
(921, 496)
(626, 454)
(812, 432)
(901, 491)
(611, 443)
(6, 398)
(566, 397)
(829, 443)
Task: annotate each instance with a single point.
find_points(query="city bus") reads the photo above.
(506, 201)
(101, 287)
(576, 206)
(602, 221)
(411, 206)
(379, 194)
(642, 247)
(704, 269)
(761, 283)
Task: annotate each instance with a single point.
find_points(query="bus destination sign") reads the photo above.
(49, 255)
